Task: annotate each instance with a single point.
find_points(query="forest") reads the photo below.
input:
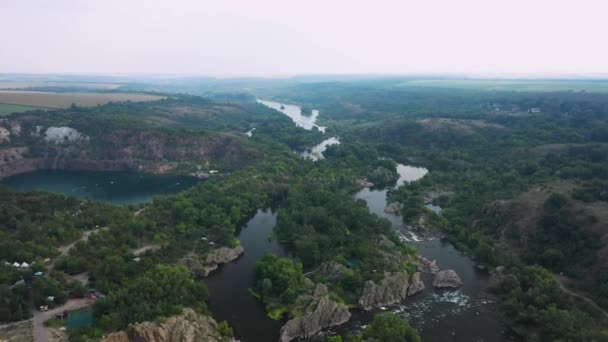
(489, 158)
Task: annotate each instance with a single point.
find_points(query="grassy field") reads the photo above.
(64, 100)
(599, 86)
(6, 109)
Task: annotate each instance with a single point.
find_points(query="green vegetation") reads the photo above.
(6, 109)
(388, 327)
(519, 188)
(160, 292)
(278, 283)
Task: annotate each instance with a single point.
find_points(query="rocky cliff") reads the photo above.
(321, 312)
(186, 327)
(203, 267)
(28, 145)
(392, 289)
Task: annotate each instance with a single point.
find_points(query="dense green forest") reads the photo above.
(519, 188)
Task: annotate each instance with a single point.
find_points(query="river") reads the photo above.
(229, 286)
(117, 187)
(466, 314)
(295, 113)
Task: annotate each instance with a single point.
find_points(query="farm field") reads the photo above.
(6, 109)
(598, 86)
(64, 100)
(6, 84)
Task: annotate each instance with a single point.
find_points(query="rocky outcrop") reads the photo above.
(186, 327)
(216, 257)
(392, 289)
(13, 161)
(321, 313)
(58, 135)
(497, 276)
(416, 284)
(364, 183)
(427, 266)
(88, 148)
(393, 208)
(5, 135)
(447, 279)
(332, 270)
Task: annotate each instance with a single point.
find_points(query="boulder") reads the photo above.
(416, 285)
(185, 327)
(393, 208)
(321, 313)
(392, 289)
(447, 278)
(212, 261)
(427, 266)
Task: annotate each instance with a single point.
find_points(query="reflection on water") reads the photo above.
(229, 287)
(295, 113)
(113, 186)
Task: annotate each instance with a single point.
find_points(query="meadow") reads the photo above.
(6, 109)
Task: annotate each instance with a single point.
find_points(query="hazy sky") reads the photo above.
(268, 37)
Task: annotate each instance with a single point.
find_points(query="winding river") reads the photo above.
(295, 113)
(229, 286)
(466, 314)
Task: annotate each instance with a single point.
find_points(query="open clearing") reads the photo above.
(6, 109)
(64, 100)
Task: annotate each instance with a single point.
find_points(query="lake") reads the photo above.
(117, 187)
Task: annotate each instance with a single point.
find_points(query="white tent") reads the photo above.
(25, 265)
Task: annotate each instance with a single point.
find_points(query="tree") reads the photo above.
(388, 327)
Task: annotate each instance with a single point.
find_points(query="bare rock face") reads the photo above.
(447, 279)
(416, 285)
(212, 261)
(497, 276)
(321, 313)
(365, 183)
(393, 208)
(5, 135)
(427, 266)
(186, 327)
(391, 290)
(332, 270)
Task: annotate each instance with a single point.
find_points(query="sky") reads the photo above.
(284, 37)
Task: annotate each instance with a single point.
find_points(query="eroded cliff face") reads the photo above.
(321, 313)
(30, 146)
(186, 327)
(392, 289)
(215, 258)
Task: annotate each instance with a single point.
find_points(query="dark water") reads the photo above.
(466, 314)
(112, 186)
(229, 286)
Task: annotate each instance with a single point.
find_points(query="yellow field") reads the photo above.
(5, 84)
(64, 100)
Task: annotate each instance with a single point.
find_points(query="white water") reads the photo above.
(295, 113)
